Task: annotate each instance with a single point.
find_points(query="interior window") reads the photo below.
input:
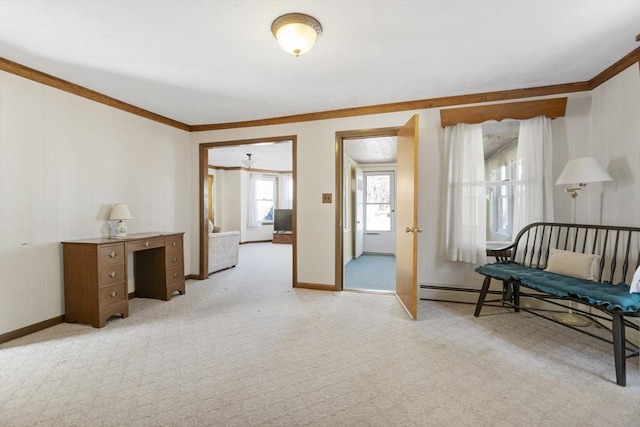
(265, 197)
(500, 148)
(378, 201)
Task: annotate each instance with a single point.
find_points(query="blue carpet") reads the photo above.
(371, 271)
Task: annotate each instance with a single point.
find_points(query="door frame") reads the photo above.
(203, 163)
(339, 205)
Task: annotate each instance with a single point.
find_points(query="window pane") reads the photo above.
(499, 211)
(378, 217)
(264, 190)
(265, 210)
(500, 150)
(378, 188)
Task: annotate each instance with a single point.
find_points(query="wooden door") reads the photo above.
(407, 227)
(359, 233)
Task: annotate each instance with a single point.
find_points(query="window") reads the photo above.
(378, 201)
(265, 197)
(500, 185)
(500, 174)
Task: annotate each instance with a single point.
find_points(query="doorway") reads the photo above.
(370, 232)
(275, 165)
(406, 212)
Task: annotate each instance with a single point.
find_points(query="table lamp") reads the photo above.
(119, 213)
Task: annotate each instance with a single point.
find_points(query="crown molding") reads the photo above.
(55, 82)
(405, 106)
(49, 80)
(615, 69)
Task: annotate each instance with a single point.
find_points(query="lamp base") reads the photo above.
(572, 319)
(121, 229)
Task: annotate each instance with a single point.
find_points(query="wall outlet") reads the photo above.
(326, 197)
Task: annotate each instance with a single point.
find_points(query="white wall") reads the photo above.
(63, 161)
(229, 201)
(573, 135)
(615, 142)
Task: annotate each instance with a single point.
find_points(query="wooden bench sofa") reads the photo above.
(589, 264)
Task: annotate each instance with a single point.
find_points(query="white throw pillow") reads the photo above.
(210, 226)
(574, 264)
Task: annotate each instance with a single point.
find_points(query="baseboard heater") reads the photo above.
(453, 289)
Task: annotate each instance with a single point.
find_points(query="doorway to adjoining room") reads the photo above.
(369, 214)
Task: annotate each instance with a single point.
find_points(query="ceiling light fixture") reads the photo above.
(296, 32)
(248, 162)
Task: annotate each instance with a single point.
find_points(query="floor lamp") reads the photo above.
(580, 171)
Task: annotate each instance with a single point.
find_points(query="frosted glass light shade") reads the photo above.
(583, 170)
(248, 162)
(296, 32)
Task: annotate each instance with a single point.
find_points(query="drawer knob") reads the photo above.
(174, 244)
(175, 274)
(112, 254)
(146, 244)
(175, 259)
(113, 274)
(113, 294)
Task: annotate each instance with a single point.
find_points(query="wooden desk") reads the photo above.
(95, 274)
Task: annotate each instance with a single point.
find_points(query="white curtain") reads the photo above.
(533, 194)
(465, 204)
(252, 208)
(286, 198)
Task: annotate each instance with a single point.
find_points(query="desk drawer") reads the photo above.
(175, 275)
(112, 294)
(111, 274)
(174, 259)
(174, 243)
(140, 245)
(112, 254)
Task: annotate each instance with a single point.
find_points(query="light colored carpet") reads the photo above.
(371, 271)
(243, 348)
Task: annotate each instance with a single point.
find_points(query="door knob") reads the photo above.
(413, 229)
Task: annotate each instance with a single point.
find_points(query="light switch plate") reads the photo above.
(326, 197)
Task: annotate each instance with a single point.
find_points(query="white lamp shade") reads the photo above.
(120, 211)
(583, 170)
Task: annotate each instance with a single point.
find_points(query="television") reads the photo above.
(282, 220)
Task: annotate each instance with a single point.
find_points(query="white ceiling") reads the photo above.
(278, 156)
(372, 150)
(270, 156)
(203, 62)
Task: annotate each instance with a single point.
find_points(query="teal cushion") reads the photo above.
(501, 270)
(605, 295)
